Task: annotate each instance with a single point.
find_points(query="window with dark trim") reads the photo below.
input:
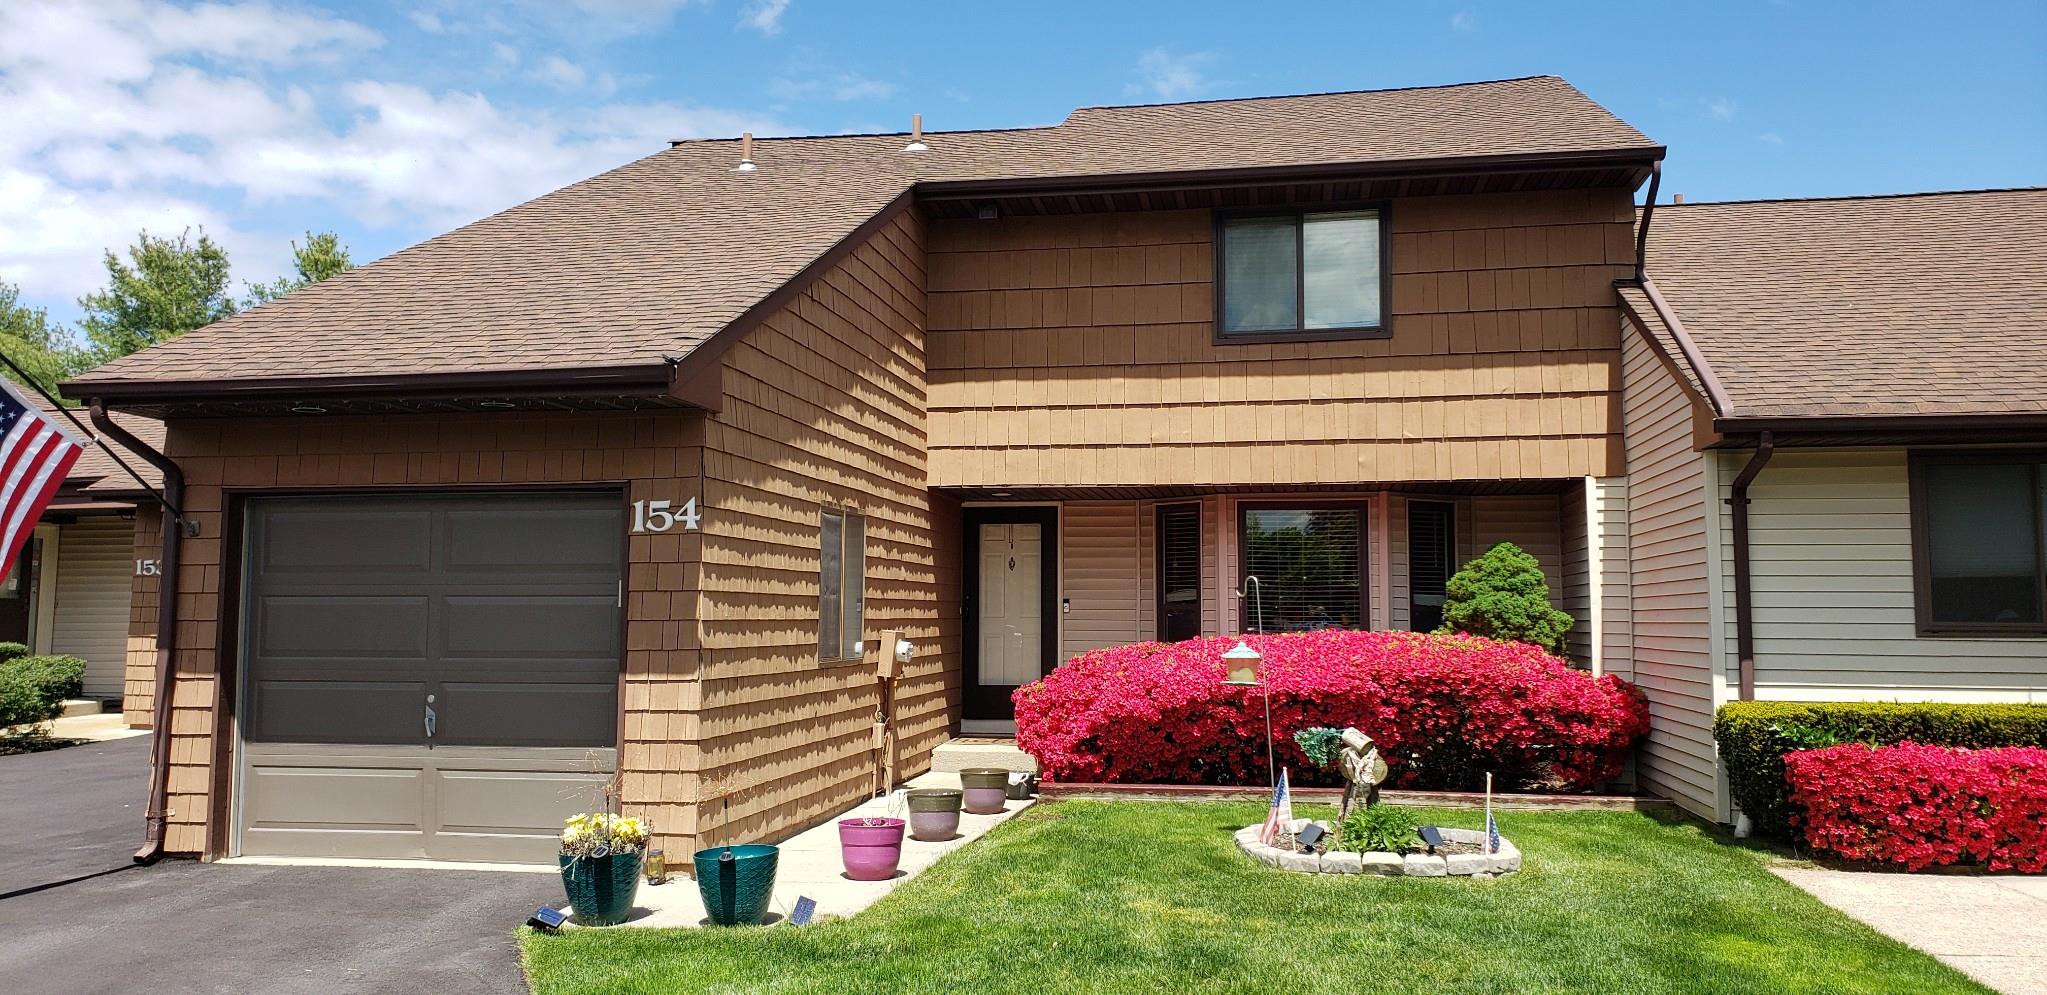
(842, 584)
(1309, 559)
(1431, 559)
(1178, 540)
(1979, 542)
(1301, 275)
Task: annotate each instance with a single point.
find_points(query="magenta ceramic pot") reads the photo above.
(871, 852)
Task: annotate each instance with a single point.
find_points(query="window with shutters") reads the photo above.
(1179, 571)
(1431, 558)
(1310, 563)
(1979, 542)
(842, 584)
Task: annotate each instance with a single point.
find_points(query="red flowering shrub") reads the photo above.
(1443, 709)
(1923, 806)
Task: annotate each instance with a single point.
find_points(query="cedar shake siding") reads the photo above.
(1080, 350)
(139, 687)
(824, 406)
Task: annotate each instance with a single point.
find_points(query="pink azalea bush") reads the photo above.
(1443, 709)
(1923, 806)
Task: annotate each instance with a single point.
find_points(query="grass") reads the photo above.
(1125, 896)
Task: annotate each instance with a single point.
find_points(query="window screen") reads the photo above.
(1179, 571)
(1981, 526)
(1431, 558)
(1309, 562)
(842, 584)
(1316, 271)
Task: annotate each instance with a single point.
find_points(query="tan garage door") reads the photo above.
(427, 676)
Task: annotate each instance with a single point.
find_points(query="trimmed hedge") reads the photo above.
(1918, 806)
(1444, 710)
(1754, 736)
(33, 688)
(12, 651)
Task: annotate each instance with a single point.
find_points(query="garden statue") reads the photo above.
(1362, 767)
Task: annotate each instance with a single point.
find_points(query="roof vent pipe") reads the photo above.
(916, 135)
(745, 153)
(1677, 198)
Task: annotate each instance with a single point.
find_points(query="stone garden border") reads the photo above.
(1414, 865)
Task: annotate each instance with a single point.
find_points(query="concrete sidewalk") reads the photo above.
(1991, 927)
(809, 865)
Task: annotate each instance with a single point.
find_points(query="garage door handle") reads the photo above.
(429, 719)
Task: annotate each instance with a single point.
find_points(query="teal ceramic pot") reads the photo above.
(736, 882)
(601, 889)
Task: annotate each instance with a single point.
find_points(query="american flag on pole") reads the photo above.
(36, 452)
(1282, 813)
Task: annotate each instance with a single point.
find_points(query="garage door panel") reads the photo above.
(385, 799)
(328, 711)
(500, 713)
(505, 627)
(320, 540)
(579, 540)
(330, 627)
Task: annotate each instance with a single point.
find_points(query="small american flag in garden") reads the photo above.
(1282, 813)
(36, 452)
(1492, 834)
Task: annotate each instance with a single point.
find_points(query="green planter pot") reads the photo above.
(601, 889)
(934, 814)
(736, 882)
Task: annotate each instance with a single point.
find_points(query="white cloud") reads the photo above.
(838, 86)
(140, 113)
(764, 16)
(428, 21)
(1464, 20)
(1171, 76)
(1721, 108)
(1770, 138)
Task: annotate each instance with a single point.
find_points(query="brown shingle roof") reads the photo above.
(1923, 304)
(651, 259)
(96, 472)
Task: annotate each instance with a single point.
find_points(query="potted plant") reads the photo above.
(600, 865)
(736, 882)
(871, 847)
(986, 788)
(934, 814)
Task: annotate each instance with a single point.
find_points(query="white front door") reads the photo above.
(1012, 603)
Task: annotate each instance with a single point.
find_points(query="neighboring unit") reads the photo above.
(649, 474)
(71, 590)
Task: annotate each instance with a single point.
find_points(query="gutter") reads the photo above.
(175, 527)
(640, 379)
(1744, 607)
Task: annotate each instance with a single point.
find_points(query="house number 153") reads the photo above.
(660, 516)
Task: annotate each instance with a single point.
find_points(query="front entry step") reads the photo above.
(955, 755)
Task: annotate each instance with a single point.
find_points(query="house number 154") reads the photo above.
(660, 516)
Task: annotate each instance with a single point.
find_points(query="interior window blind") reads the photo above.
(1309, 564)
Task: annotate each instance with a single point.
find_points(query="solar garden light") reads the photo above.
(1243, 661)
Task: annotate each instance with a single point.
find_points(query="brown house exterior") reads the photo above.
(985, 396)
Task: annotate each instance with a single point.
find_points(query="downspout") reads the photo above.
(174, 526)
(1744, 607)
(1642, 230)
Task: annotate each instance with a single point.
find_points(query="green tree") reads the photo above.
(173, 286)
(46, 352)
(1502, 595)
(322, 256)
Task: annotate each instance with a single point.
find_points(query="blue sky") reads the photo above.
(391, 122)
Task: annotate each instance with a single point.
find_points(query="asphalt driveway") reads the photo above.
(181, 926)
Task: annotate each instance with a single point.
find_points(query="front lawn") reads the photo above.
(1128, 897)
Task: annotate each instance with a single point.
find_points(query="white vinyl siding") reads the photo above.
(94, 576)
(1831, 552)
(1670, 587)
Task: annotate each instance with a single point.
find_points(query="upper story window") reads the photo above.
(1312, 274)
(1979, 553)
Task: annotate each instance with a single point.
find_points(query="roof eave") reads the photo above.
(1934, 428)
(1639, 156)
(654, 380)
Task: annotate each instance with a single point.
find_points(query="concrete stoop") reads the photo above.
(958, 754)
(82, 706)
